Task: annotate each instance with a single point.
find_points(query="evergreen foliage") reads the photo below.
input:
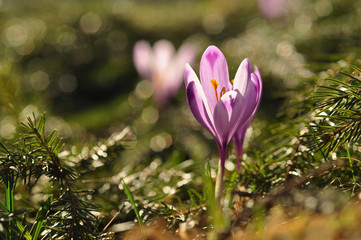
(32, 155)
(325, 136)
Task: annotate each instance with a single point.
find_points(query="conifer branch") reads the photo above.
(36, 154)
(338, 130)
(64, 177)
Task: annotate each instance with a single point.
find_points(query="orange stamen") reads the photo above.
(215, 85)
(223, 91)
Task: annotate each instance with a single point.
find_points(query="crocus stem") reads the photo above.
(219, 182)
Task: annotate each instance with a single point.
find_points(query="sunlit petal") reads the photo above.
(163, 54)
(142, 56)
(197, 100)
(239, 135)
(243, 76)
(214, 66)
(227, 114)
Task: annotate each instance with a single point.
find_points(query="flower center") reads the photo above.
(215, 84)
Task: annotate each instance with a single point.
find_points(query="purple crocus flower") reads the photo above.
(273, 9)
(163, 66)
(220, 106)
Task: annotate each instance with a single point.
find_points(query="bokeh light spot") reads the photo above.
(7, 129)
(67, 83)
(213, 23)
(67, 38)
(285, 49)
(150, 115)
(39, 80)
(143, 89)
(90, 23)
(159, 142)
(229, 165)
(303, 24)
(16, 35)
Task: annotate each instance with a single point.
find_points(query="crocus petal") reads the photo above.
(197, 100)
(239, 135)
(251, 95)
(186, 54)
(273, 9)
(257, 86)
(214, 66)
(163, 54)
(163, 51)
(243, 76)
(227, 114)
(259, 78)
(142, 56)
(166, 83)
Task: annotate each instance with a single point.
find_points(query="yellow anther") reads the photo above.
(232, 81)
(215, 85)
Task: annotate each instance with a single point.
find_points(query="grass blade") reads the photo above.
(350, 161)
(41, 217)
(131, 199)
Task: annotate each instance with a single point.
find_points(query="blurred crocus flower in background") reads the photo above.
(163, 66)
(220, 106)
(273, 9)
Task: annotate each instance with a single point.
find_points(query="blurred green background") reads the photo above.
(74, 58)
